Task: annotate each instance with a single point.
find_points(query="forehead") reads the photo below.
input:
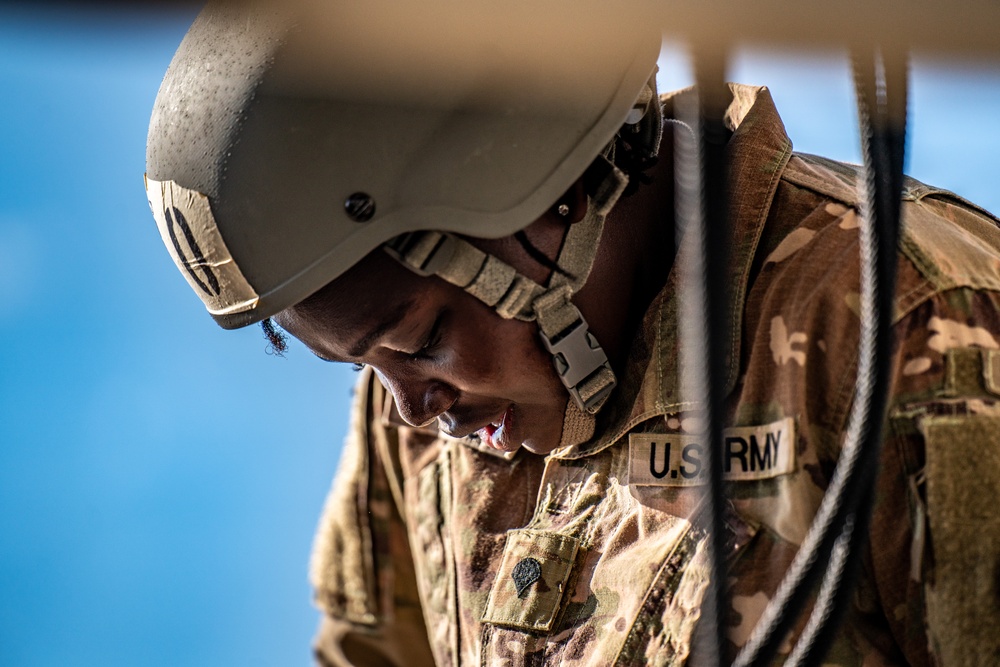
(376, 290)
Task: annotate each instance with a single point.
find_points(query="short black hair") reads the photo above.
(277, 341)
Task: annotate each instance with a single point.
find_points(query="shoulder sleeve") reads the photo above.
(941, 462)
(361, 568)
(930, 593)
(342, 568)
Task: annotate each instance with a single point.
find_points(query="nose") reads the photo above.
(420, 402)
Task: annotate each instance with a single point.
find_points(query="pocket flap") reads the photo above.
(531, 582)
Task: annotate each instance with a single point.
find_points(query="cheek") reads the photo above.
(504, 357)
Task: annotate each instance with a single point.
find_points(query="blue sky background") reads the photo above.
(160, 478)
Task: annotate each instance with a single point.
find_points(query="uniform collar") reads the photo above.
(650, 387)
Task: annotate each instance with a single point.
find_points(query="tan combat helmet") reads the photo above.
(289, 141)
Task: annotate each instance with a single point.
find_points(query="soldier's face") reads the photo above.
(442, 353)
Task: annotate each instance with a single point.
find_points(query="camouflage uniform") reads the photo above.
(434, 550)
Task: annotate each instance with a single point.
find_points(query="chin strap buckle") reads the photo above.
(581, 364)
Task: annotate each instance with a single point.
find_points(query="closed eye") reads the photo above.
(432, 340)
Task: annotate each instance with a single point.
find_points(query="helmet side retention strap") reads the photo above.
(579, 360)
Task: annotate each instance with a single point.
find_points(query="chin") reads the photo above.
(545, 428)
(542, 447)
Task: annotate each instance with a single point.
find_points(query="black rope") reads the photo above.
(714, 232)
(841, 524)
(882, 93)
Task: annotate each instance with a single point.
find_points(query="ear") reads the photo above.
(572, 206)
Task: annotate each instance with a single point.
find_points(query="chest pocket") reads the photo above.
(532, 580)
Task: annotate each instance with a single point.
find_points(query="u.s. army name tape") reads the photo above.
(749, 453)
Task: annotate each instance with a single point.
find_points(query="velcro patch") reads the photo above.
(531, 582)
(749, 453)
(188, 229)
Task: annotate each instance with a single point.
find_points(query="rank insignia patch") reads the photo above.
(525, 573)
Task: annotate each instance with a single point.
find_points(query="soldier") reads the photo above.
(523, 479)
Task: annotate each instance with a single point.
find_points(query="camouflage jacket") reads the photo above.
(433, 550)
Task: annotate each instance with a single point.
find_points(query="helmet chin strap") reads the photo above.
(578, 358)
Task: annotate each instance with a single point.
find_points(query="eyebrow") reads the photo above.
(365, 343)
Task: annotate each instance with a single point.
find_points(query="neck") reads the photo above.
(633, 259)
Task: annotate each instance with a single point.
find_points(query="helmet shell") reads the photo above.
(459, 117)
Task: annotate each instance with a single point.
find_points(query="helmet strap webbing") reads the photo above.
(579, 360)
(460, 263)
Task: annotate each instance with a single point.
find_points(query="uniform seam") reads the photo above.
(739, 304)
(632, 637)
(840, 192)
(659, 410)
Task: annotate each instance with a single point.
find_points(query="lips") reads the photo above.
(498, 433)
